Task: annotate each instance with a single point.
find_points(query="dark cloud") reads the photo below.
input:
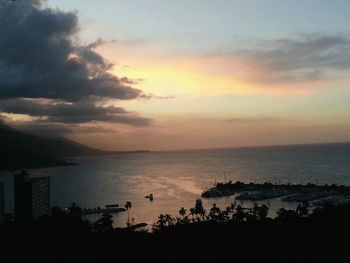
(78, 112)
(128, 81)
(40, 57)
(45, 72)
(305, 57)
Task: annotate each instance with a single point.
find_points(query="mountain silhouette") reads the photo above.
(20, 150)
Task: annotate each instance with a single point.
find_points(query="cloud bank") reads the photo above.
(302, 58)
(46, 72)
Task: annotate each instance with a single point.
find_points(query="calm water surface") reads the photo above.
(176, 179)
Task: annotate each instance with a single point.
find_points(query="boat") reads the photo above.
(150, 197)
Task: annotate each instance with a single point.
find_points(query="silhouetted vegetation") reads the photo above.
(235, 233)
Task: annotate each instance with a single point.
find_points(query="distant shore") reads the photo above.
(123, 152)
(26, 162)
(57, 163)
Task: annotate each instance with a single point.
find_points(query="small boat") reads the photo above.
(150, 197)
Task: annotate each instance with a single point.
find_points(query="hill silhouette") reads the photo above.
(20, 150)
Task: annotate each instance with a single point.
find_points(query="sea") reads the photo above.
(177, 178)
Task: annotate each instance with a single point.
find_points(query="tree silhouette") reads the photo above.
(260, 212)
(199, 209)
(104, 224)
(183, 219)
(215, 213)
(182, 212)
(164, 221)
(240, 214)
(286, 215)
(303, 209)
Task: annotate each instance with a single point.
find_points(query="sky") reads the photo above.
(168, 75)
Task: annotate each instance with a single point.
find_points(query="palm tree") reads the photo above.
(182, 212)
(215, 212)
(239, 214)
(303, 209)
(260, 212)
(161, 223)
(192, 213)
(169, 220)
(127, 207)
(199, 209)
(184, 218)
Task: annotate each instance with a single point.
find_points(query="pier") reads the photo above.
(98, 210)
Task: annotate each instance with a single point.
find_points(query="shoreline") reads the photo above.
(63, 164)
(317, 194)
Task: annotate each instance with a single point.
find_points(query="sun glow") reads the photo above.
(186, 74)
(174, 74)
(179, 81)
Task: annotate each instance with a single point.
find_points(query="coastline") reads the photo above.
(39, 166)
(317, 194)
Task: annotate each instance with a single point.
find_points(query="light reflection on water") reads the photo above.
(176, 179)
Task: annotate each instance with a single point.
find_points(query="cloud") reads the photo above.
(303, 58)
(250, 120)
(78, 112)
(45, 71)
(129, 81)
(151, 96)
(44, 60)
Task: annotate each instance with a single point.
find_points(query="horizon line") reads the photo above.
(238, 147)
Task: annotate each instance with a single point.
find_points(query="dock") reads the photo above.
(98, 210)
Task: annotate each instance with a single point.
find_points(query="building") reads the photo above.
(32, 197)
(2, 202)
(7, 196)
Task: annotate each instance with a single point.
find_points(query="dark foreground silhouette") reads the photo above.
(235, 234)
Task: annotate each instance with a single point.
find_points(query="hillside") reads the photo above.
(20, 150)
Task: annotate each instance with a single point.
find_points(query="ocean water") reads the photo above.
(177, 179)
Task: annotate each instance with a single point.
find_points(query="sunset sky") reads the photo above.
(165, 75)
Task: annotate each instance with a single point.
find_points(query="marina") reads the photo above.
(316, 194)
